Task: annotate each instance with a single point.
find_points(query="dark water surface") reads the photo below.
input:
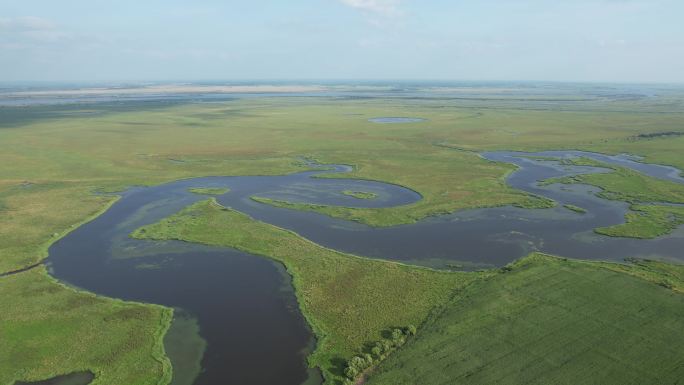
(244, 305)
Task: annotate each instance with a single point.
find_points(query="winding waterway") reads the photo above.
(244, 305)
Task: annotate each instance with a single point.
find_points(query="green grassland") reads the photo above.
(547, 320)
(61, 149)
(56, 157)
(47, 329)
(209, 190)
(348, 300)
(645, 220)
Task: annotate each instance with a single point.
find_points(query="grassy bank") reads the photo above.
(48, 329)
(37, 215)
(550, 321)
(208, 190)
(387, 216)
(349, 301)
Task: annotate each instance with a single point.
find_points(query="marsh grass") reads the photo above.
(646, 222)
(360, 194)
(574, 208)
(209, 190)
(48, 330)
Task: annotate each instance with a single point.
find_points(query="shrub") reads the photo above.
(411, 330)
(351, 372)
(397, 334)
(377, 350)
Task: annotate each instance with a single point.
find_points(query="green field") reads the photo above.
(57, 158)
(548, 321)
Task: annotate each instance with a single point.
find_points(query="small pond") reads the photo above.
(398, 119)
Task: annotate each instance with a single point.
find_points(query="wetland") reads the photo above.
(244, 306)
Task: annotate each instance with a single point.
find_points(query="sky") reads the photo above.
(172, 40)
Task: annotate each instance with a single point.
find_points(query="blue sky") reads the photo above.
(561, 40)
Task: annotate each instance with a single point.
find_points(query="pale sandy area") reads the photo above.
(172, 89)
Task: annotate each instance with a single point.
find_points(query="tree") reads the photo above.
(358, 363)
(411, 330)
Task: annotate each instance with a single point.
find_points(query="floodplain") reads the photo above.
(343, 209)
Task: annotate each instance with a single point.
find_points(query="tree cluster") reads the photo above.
(380, 350)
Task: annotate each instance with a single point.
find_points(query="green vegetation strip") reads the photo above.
(209, 190)
(48, 329)
(379, 216)
(550, 321)
(360, 194)
(349, 301)
(574, 208)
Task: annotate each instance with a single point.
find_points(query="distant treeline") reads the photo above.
(658, 135)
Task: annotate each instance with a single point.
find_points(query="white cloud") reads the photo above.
(388, 8)
(31, 32)
(26, 23)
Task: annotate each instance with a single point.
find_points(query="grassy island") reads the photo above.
(576, 209)
(209, 190)
(360, 194)
(648, 218)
